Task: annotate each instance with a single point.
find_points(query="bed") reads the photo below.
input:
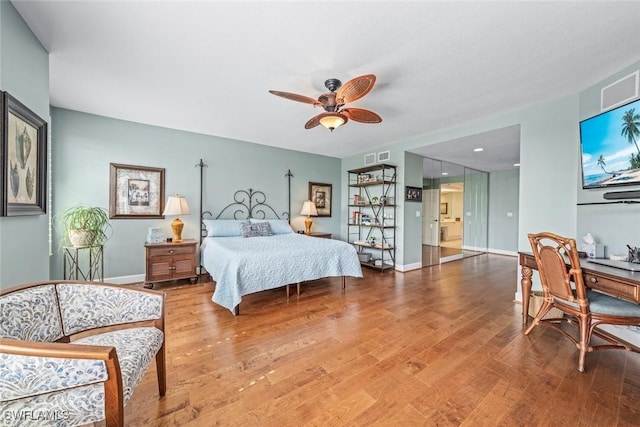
(249, 255)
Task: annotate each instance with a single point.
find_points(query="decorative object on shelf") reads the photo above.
(308, 209)
(412, 194)
(85, 226)
(136, 192)
(320, 195)
(444, 208)
(332, 102)
(176, 205)
(23, 145)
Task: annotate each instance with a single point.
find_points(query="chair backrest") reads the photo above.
(30, 313)
(552, 254)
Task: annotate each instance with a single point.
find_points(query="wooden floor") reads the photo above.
(434, 347)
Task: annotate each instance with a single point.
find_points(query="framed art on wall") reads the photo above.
(412, 194)
(23, 159)
(320, 194)
(136, 192)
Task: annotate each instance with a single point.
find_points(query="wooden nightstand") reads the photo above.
(320, 234)
(170, 261)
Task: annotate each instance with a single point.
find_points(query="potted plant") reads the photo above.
(85, 226)
(374, 200)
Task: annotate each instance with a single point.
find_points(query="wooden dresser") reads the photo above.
(170, 261)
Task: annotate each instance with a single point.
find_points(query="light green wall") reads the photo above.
(24, 73)
(86, 144)
(548, 165)
(614, 225)
(503, 199)
(411, 248)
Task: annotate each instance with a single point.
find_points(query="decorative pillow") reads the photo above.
(278, 226)
(223, 227)
(256, 229)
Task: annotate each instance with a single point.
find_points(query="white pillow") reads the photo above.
(278, 226)
(223, 227)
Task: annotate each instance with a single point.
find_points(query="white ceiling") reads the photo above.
(207, 66)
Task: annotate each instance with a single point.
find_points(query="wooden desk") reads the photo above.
(613, 281)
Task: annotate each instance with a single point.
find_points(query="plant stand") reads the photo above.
(84, 263)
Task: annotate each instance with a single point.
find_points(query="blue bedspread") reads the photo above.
(242, 266)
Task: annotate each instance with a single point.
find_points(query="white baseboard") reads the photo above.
(409, 267)
(125, 280)
(501, 252)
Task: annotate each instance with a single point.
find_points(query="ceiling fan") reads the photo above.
(334, 114)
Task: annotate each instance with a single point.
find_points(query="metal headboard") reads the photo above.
(251, 204)
(246, 204)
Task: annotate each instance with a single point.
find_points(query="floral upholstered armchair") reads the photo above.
(50, 378)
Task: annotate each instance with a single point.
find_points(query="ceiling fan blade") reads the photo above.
(313, 122)
(296, 97)
(355, 88)
(361, 115)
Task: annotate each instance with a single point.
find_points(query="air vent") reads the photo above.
(619, 92)
(369, 159)
(384, 156)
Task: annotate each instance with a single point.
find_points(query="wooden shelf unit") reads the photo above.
(372, 214)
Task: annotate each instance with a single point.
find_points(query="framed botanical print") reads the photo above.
(136, 192)
(23, 159)
(320, 194)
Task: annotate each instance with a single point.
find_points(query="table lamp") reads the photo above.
(308, 209)
(176, 205)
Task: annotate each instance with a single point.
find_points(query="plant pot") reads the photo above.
(81, 238)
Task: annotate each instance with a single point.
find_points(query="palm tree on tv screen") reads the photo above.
(631, 130)
(602, 164)
(631, 126)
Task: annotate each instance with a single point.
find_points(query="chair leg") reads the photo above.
(584, 341)
(161, 371)
(546, 307)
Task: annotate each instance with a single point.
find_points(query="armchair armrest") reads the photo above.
(33, 368)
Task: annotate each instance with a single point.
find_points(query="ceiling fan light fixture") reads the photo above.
(333, 120)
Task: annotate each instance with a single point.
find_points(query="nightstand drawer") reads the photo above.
(170, 251)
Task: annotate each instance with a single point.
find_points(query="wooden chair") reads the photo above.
(589, 309)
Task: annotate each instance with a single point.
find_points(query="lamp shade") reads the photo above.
(176, 205)
(309, 208)
(333, 120)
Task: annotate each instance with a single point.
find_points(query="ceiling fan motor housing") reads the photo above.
(332, 84)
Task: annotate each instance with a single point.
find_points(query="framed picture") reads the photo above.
(412, 194)
(23, 159)
(444, 208)
(136, 192)
(320, 194)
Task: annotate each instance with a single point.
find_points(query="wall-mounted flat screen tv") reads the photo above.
(610, 144)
